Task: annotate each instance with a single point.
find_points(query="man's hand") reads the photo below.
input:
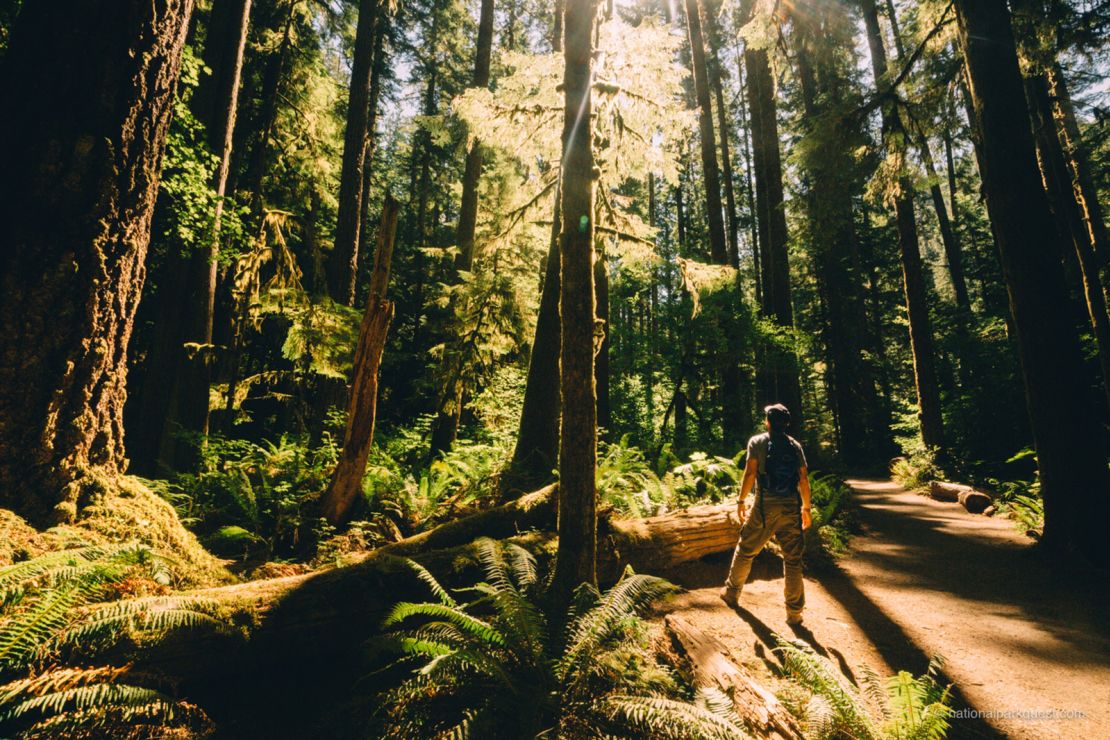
(807, 520)
(737, 517)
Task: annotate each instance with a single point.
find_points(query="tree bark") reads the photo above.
(913, 279)
(770, 215)
(87, 96)
(344, 258)
(267, 116)
(346, 481)
(718, 249)
(1079, 162)
(1064, 200)
(468, 209)
(711, 666)
(1070, 447)
(715, 71)
(537, 442)
(863, 432)
(189, 408)
(576, 560)
(601, 361)
(947, 233)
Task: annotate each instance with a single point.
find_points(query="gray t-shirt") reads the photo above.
(757, 449)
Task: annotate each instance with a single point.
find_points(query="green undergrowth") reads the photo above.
(494, 660)
(71, 622)
(899, 707)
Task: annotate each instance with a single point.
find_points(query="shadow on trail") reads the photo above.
(937, 551)
(897, 649)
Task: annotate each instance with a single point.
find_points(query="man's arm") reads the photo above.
(751, 469)
(803, 488)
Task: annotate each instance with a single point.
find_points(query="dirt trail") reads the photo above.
(1023, 639)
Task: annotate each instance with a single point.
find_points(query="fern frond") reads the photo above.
(454, 615)
(821, 677)
(425, 575)
(631, 595)
(24, 634)
(660, 717)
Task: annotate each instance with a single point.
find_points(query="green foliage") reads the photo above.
(909, 707)
(462, 478)
(491, 667)
(50, 611)
(255, 496)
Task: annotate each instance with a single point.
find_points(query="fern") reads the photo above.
(490, 668)
(911, 708)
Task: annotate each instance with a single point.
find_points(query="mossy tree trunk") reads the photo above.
(576, 561)
(537, 442)
(344, 258)
(1071, 453)
(87, 97)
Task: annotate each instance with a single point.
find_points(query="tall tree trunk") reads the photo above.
(537, 442)
(1071, 452)
(87, 96)
(601, 362)
(446, 428)
(770, 216)
(749, 190)
(913, 277)
(343, 264)
(1070, 217)
(576, 559)
(715, 74)
(717, 246)
(863, 429)
(952, 251)
(189, 410)
(364, 229)
(468, 210)
(1078, 161)
(267, 115)
(346, 481)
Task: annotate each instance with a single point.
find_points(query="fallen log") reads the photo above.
(711, 666)
(314, 624)
(972, 499)
(661, 542)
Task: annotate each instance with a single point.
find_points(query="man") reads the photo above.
(776, 465)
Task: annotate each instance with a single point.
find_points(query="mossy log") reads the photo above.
(315, 625)
(710, 666)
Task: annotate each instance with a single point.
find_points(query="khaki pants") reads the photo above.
(781, 519)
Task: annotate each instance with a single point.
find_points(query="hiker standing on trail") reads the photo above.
(776, 465)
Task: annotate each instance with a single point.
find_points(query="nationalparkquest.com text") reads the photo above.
(1021, 714)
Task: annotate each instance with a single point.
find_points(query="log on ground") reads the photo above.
(711, 666)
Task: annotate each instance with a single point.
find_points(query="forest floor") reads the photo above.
(1025, 640)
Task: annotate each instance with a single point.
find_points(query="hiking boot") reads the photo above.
(730, 596)
(794, 619)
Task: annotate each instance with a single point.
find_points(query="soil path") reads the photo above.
(1026, 642)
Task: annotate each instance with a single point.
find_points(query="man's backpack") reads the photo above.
(780, 477)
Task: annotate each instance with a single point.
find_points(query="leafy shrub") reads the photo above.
(910, 707)
(463, 478)
(626, 481)
(492, 667)
(255, 498)
(707, 478)
(59, 606)
(916, 469)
